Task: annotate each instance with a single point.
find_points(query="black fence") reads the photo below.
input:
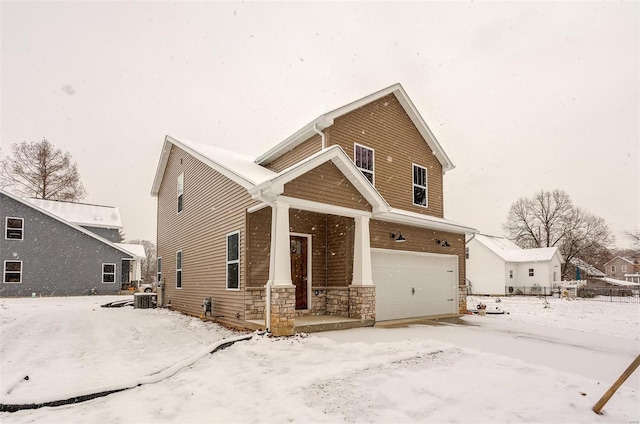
(530, 291)
(610, 294)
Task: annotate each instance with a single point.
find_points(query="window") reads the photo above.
(613, 268)
(108, 273)
(12, 272)
(531, 272)
(159, 272)
(180, 191)
(14, 228)
(623, 268)
(179, 269)
(363, 158)
(510, 273)
(419, 185)
(233, 261)
(466, 253)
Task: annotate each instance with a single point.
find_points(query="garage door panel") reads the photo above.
(413, 285)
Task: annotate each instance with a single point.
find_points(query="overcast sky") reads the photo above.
(522, 96)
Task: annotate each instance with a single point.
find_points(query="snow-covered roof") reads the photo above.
(82, 213)
(588, 269)
(136, 250)
(623, 283)
(511, 252)
(240, 168)
(327, 119)
(64, 221)
(629, 260)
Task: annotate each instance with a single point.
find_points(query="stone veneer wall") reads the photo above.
(362, 302)
(283, 310)
(462, 300)
(319, 301)
(338, 301)
(255, 303)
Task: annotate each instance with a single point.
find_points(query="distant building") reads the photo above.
(623, 268)
(52, 248)
(497, 266)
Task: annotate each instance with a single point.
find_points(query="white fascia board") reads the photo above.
(275, 186)
(65, 222)
(424, 221)
(162, 165)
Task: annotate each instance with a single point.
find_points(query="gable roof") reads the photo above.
(65, 222)
(239, 168)
(629, 260)
(510, 252)
(335, 154)
(589, 270)
(82, 213)
(327, 119)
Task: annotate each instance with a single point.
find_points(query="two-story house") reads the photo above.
(623, 268)
(52, 248)
(344, 218)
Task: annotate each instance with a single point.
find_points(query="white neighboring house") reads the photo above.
(497, 266)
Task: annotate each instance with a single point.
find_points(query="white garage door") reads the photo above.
(412, 284)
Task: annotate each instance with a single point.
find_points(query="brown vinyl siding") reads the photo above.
(419, 240)
(295, 155)
(326, 184)
(258, 247)
(385, 127)
(213, 207)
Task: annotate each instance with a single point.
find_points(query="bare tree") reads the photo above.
(549, 219)
(634, 235)
(40, 170)
(147, 265)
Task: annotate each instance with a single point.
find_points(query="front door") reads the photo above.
(299, 270)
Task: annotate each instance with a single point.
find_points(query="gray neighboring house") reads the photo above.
(54, 248)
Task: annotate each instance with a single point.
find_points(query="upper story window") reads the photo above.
(466, 252)
(159, 272)
(510, 273)
(108, 273)
(363, 158)
(531, 272)
(179, 269)
(623, 268)
(420, 185)
(180, 191)
(14, 228)
(613, 268)
(233, 261)
(12, 272)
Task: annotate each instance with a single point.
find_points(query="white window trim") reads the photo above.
(179, 269)
(4, 273)
(158, 270)
(6, 228)
(613, 268)
(426, 188)
(373, 161)
(115, 272)
(228, 262)
(532, 272)
(180, 192)
(623, 268)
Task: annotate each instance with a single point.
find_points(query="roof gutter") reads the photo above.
(321, 134)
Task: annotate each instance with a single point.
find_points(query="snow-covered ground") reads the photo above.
(535, 364)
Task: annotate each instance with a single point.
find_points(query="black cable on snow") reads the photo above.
(219, 345)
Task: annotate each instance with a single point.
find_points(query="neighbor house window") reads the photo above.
(363, 158)
(510, 273)
(12, 272)
(613, 269)
(14, 228)
(108, 273)
(179, 269)
(180, 191)
(466, 253)
(233, 261)
(419, 185)
(159, 272)
(530, 272)
(623, 268)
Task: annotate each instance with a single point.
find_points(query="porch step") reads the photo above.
(320, 324)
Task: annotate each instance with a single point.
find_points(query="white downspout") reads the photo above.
(267, 319)
(322, 136)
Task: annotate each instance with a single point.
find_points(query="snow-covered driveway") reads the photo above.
(493, 371)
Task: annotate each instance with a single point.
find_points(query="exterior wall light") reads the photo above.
(443, 243)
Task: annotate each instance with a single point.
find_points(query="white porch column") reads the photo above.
(280, 269)
(362, 275)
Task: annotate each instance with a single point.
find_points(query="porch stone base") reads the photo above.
(362, 302)
(462, 300)
(255, 302)
(283, 310)
(338, 302)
